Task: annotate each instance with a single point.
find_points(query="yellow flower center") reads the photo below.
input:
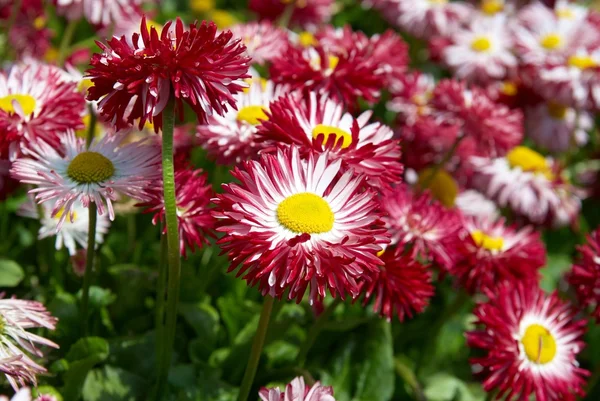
(539, 344)
(552, 41)
(39, 23)
(442, 186)
(61, 211)
(529, 160)
(202, 6)
(90, 168)
(582, 62)
(307, 39)
(509, 88)
(565, 13)
(557, 111)
(481, 44)
(491, 7)
(440, 2)
(329, 131)
(305, 213)
(315, 62)
(483, 240)
(252, 114)
(222, 18)
(27, 103)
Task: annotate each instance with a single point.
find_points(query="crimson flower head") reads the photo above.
(585, 276)
(135, 77)
(402, 286)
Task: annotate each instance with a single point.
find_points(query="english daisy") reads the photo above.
(16, 316)
(297, 390)
(100, 12)
(134, 80)
(492, 252)
(264, 41)
(585, 274)
(531, 185)
(401, 287)
(73, 173)
(410, 97)
(36, 102)
(557, 128)
(24, 394)
(531, 341)
(482, 52)
(423, 223)
(231, 138)
(291, 223)
(73, 231)
(320, 124)
(193, 195)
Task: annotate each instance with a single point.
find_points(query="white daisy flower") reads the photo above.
(97, 174)
(474, 203)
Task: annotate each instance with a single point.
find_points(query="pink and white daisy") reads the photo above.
(492, 253)
(531, 341)
(100, 12)
(317, 123)
(557, 128)
(482, 52)
(232, 137)
(297, 390)
(402, 286)
(293, 223)
(16, 316)
(475, 204)
(585, 274)
(24, 394)
(423, 223)
(264, 41)
(72, 232)
(531, 185)
(98, 174)
(410, 97)
(427, 18)
(193, 195)
(36, 102)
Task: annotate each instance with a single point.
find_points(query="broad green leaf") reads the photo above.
(113, 384)
(11, 274)
(82, 357)
(445, 387)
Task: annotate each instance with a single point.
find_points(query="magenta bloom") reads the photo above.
(297, 390)
(585, 276)
(401, 287)
(193, 198)
(134, 78)
(531, 341)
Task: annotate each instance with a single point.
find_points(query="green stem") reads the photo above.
(66, 41)
(491, 395)
(257, 346)
(431, 175)
(315, 330)
(173, 255)
(91, 245)
(286, 16)
(160, 301)
(89, 266)
(409, 377)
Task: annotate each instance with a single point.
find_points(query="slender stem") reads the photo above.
(315, 330)
(89, 266)
(173, 255)
(66, 41)
(431, 176)
(160, 301)
(257, 346)
(409, 377)
(91, 244)
(286, 16)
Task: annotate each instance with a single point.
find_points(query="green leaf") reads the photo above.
(11, 274)
(113, 384)
(375, 379)
(82, 357)
(558, 265)
(47, 390)
(445, 387)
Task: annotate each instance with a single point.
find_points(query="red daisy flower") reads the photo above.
(317, 123)
(37, 101)
(305, 13)
(294, 222)
(531, 341)
(402, 286)
(491, 253)
(344, 74)
(134, 78)
(492, 127)
(423, 223)
(585, 275)
(193, 198)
